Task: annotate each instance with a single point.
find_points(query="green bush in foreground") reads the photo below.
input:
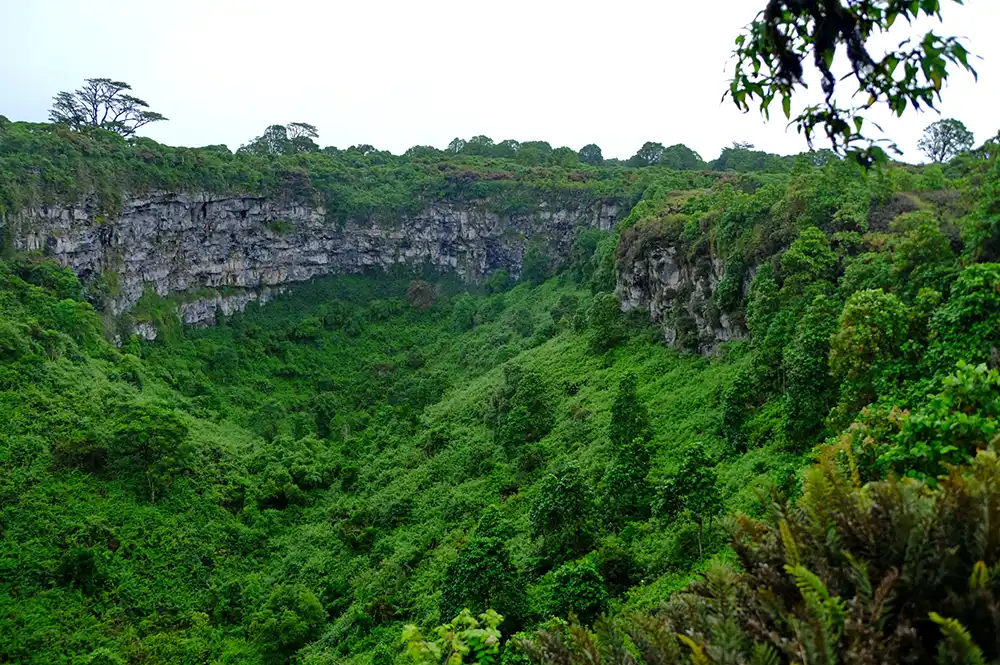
(894, 571)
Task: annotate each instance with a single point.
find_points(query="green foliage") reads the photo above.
(950, 427)
(624, 492)
(923, 257)
(692, 488)
(483, 576)
(629, 418)
(849, 573)
(103, 104)
(678, 157)
(291, 618)
(463, 640)
(870, 332)
(605, 322)
(584, 248)
(561, 515)
(966, 326)
(519, 411)
(809, 390)
(578, 590)
(743, 158)
(152, 441)
(602, 271)
(536, 267)
(772, 54)
(945, 139)
(809, 259)
(591, 154)
(498, 282)
(42, 163)
(341, 441)
(463, 313)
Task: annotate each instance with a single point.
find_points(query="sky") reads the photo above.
(399, 73)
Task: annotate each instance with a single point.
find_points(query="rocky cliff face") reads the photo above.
(187, 243)
(680, 296)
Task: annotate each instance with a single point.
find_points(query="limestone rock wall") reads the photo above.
(680, 296)
(182, 243)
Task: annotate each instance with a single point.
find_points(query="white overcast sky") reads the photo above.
(400, 73)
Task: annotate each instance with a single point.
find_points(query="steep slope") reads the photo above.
(299, 480)
(354, 454)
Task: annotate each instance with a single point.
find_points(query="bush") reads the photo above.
(950, 427)
(153, 441)
(483, 577)
(523, 321)
(463, 313)
(291, 618)
(817, 582)
(578, 589)
(463, 640)
(519, 409)
(605, 323)
(870, 332)
(561, 515)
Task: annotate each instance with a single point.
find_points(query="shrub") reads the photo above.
(561, 515)
(870, 332)
(483, 576)
(463, 313)
(605, 323)
(950, 427)
(824, 581)
(519, 410)
(578, 589)
(152, 440)
(290, 619)
(463, 640)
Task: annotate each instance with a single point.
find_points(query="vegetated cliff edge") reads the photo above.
(220, 251)
(217, 253)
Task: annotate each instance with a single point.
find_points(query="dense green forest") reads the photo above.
(301, 480)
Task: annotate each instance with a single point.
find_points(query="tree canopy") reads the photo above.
(773, 54)
(945, 139)
(103, 103)
(291, 139)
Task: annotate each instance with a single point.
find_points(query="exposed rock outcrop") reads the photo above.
(680, 296)
(184, 243)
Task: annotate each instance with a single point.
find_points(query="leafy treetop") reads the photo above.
(104, 103)
(771, 60)
(945, 139)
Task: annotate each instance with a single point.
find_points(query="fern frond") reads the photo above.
(791, 549)
(859, 575)
(957, 647)
(698, 656)
(853, 463)
(826, 613)
(980, 578)
(881, 605)
(655, 638)
(763, 654)
(584, 644)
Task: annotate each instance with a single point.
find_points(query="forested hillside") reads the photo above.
(299, 481)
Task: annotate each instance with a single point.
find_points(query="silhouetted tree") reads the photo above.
(104, 103)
